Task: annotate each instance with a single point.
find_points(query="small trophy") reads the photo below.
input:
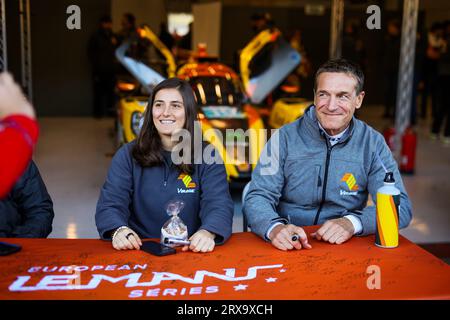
(174, 232)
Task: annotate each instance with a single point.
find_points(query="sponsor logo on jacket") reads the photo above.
(188, 184)
(350, 182)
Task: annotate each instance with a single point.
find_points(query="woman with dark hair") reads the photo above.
(145, 175)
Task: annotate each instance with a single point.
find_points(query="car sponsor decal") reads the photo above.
(221, 112)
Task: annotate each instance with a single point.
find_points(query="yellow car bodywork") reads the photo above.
(130, 111)
(249, 52)
(236, 166)
(287, 110)
(145, 32)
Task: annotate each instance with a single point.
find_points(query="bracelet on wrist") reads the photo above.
(117, 231)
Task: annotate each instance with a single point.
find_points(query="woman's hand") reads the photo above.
(201, 241)
(126, 239)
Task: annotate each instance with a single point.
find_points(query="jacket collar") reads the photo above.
(313, 130)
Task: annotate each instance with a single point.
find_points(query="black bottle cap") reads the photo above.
(389, 177)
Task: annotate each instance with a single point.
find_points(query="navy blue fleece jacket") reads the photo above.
(136, 197)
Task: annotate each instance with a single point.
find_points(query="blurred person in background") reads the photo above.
(353, 48)
(165, 36)
(128, 23)
(101, 51)
(435, 44)
(443, 84)
(391, 57)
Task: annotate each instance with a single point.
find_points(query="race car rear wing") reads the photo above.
(146, 76)
(282, 60)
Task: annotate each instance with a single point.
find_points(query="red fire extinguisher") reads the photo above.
(389, 136)
(409, 144)
(408, 154)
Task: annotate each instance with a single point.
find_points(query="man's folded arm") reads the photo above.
(265, 188)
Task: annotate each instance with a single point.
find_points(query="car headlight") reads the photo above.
(136, 122)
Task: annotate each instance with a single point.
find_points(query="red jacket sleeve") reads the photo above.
(18, 135)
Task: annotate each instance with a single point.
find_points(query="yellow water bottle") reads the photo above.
(388, 202)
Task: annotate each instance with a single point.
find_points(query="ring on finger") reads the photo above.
(128, 235)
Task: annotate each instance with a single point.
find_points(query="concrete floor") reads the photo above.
(73, 155)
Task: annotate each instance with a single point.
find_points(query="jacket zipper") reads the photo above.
(327, 164)
(166, 170)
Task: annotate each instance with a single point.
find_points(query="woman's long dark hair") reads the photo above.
(148, 148)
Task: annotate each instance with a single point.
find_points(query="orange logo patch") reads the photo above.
(350, 180)
(187, 180)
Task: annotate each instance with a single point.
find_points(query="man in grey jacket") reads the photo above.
(321, 168)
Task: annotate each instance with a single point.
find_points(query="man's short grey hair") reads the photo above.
(342, 66)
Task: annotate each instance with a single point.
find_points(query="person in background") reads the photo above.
(391, 57)
(143, 178)
(183, 49)
(419, 56)
(353, 48)
(101, 51)
(261, 21)
(18, 133)
(435, 44)
(303, 71)
(128, 24)
(442, 115)
(165, 36)
(27, 211)
(138, 48)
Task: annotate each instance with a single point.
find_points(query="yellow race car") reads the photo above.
(228, 122)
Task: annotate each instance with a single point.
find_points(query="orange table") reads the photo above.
(244, 268)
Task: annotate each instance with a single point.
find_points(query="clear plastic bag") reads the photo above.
(174, 228)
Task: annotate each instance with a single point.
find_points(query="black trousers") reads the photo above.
(104, 97)
(442, 107)
(430, 79)
(390, 92)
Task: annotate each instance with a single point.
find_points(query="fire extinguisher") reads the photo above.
(408, 154)
(409, 144)
(389, 136)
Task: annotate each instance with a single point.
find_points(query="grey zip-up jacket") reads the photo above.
(300, 178)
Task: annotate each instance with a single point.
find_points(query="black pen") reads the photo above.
(295, 237)
(175, 241)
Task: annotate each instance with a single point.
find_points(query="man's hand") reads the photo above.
(12, 100)
(335, 231)
(126, 239)
(201, 241)
(281, 237)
